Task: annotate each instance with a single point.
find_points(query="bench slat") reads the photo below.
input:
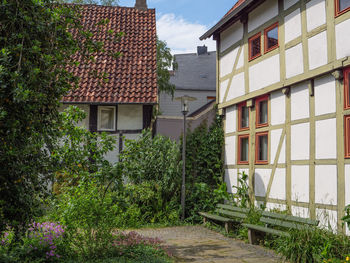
(215, 217)
(233, 208)
(231, 214)
(267, 230)
(281, 223)
(291, 218)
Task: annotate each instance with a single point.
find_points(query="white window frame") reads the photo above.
(99, 108)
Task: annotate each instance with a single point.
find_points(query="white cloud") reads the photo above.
(182, 36)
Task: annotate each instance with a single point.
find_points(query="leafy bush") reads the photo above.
(88, 212)
(313, 245)
(204, 169)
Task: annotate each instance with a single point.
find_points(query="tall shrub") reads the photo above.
(36, 48)
(204, 168)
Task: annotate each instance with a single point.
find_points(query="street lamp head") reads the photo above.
(184, 103)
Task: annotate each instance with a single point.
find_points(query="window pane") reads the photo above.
(244, 149)
(245, 117)
(255, 47)
(107, 116)
(272, 38)
(263, 150)
(343, 4)
(263, 112)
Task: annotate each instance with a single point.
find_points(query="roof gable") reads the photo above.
(132, 78)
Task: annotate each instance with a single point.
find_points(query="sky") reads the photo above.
(180, 23)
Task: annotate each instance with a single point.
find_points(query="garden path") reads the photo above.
(199, 244)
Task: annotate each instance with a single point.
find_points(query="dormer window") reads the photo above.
(271, 37)
(255, 46)
(341, 6)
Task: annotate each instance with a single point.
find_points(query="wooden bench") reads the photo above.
(227, 214)
(281, 221)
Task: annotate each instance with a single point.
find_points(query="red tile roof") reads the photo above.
(133, 76)
(239, 2)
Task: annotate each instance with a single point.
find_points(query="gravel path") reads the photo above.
(199, 244)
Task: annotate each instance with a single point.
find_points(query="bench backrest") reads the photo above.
(232, 211)
(287, 221)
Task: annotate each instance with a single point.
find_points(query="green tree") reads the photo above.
(37, 48)
(165, 62)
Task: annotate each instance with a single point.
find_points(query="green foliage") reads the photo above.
(88, 213)
(346, 218)
(79, 151)
(241, 197)
(36, 50)
(204, 169)
(313, 245)
(151, 166)
(165, 62)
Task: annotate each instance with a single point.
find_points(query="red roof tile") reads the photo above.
(132, 78)
(239, 2)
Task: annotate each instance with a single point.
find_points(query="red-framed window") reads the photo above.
(347, 136)
(341, 6)
(262, 111)
(243, 117)
(255, 46)
(271, 37)
(243, 149)
(346, 74)
(262, 148)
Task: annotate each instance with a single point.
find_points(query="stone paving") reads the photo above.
(199, 244)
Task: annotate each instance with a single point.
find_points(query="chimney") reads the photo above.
(141, 5)
(202, 50)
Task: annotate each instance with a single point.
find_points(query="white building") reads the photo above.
(283, 87)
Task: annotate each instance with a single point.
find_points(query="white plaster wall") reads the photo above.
(328, 219)
(300, 141)
(231, 119)
(231, 35)
(326, 184)
(300, 101)
(264, 73)
(274, 207)
(261, 180)
(294, 61)
(342, 38)
(292, 25)
(237, 87)
(278, 106)
(278, 187)
(227, 62)
(222, 91)
(347, 184)
(318, 50)
(324, 89)
(275, 140)
(231, 180)
(113, 156)
(326, 139)
(282, 158)
(300, 183)
(230, 150)
(245, 170)
(315, 14)
(240, 62)
(130, 117)
(289, 3)
(262, 14)
(84, 107)
(300, 211)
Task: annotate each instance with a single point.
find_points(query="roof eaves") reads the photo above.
(226, 19)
